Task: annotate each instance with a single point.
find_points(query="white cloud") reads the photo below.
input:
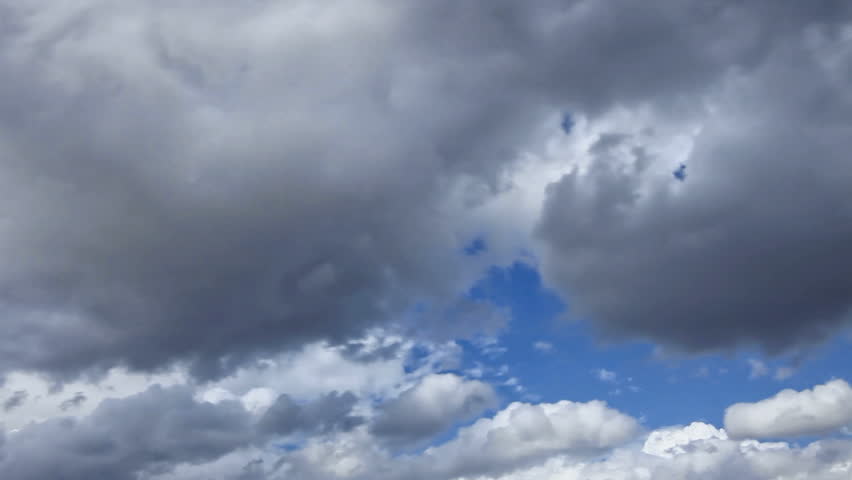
(822, 409)
(668, 442)
(706, 456)
(523, 432)
(542, 346)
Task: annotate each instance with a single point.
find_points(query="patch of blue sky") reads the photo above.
(567, 123)
(662, 391)
(475, 246)
(680, 172)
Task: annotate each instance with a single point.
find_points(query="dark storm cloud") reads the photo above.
(755, 247)
(331, 412)
(203, 182)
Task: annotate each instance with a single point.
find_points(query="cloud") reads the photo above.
(148, 432)
(315, 176)
(670, 442)
(15, 400)
(702, 457)
(791, 413)
(542, 346)
(329, 413)
(168, 434)
(729, 258)
(73, 402)
(436, 403)
(523, 433)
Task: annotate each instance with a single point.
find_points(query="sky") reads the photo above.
(428, 240)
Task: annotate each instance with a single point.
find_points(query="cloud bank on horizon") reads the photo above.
(241, 241)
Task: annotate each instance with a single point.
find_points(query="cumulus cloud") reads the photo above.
(791, 413)
(203, 202)
(147, 432)
(436, 403)
(523, 433)
(728, 257)
(238, 194)
(707, 456)
(669, 442)
(167, 434)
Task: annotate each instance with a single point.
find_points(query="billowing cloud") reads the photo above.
(268, 208)
(169, 196)
(791, 413)
(728, 257)
(669, 442)
(523, 433)
(436, 403)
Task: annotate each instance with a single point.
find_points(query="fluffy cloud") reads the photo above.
(523, 433)
(818, 410)
(168, 434)
(669, 442)
(704, 458)
(433, 405)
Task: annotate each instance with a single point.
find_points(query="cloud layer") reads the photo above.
(241, 241)
(169, 196)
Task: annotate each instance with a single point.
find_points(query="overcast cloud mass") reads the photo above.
(248, 240)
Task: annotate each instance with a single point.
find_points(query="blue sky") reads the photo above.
(670, 390)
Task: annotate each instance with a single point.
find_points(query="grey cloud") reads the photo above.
(15, 400)
(172, 196)
(73, 402)
(753, 248)
(331, 412)
(149, 432)
(433, 405)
